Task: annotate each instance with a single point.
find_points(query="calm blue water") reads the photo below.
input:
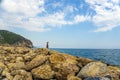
(111, 56)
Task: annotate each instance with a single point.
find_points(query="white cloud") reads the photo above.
(26, 7)
(107, 14)
(57, 4)
(23, 14)
(69, 8)
(80, 18)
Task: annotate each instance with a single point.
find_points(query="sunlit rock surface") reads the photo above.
(21, 63)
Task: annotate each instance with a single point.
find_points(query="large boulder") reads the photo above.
(2, 66)
(21, 75)
(15, 66)
(35, 62)
(63, 65)
(43, 72)
(57, 58)
(113, 72)
(97, 78)
(83, 61)
(93, 69)
(72, 77)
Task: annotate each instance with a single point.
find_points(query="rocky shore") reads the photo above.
(21, 63)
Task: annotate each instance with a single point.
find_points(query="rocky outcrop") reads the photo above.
(8, 38)
(21, 63)
(93, 69)
(43, 72)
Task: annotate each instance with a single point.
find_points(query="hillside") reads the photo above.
(13, 39)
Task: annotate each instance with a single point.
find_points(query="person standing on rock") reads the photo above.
(47, 44)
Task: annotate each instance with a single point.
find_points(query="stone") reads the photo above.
(43, 72)
(5, 79)
(17, 65)
(35, 62)
(1, 70)
(2, 66)
(21, 75)
(97, 78)
(22, 50)
(20, 63)
(8, 76)
(63, 70)
(72, 77)
(29, 56)
(83, 61)
(63, 65)
(93, 69)
(70, 59)
(42, 51)
(6, 70)
(11, 66)
(93, 78)
(29, 76)
(57, 58)
(19, 59)
(17, 77)
(113, 72)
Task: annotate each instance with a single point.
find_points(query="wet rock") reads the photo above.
(93, 69)
(43, 72)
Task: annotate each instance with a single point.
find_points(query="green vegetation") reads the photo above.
(7, 37)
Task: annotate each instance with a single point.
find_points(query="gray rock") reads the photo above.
(93, 78)
(92, 69)
(0, 77)
(5, 79)
(97, 78)
(104, 78)
(1, 70)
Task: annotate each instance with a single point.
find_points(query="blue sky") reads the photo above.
(64, 23)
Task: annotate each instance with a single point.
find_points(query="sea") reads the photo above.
(110, 56)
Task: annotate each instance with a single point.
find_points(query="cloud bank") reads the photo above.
(36, 15)
(107, 14)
